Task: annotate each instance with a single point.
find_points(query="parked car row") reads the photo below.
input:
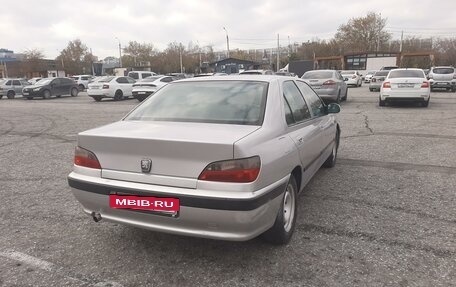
(44, 88)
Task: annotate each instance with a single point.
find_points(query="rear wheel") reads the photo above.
(381, 102)
(331, 160)
(346, 95)
(118, 95)
(1, 96)
(46, 94)
(81, 87)
(74, 92)
(371, 89)
(426, 103)
(338, 97)
(284, 225)
(11, 95)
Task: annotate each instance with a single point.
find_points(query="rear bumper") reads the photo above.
(141, 95)
(99, 93)
(236, 219)
(443, 84)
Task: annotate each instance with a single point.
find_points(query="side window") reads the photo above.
(16, 83)
(122, 80)
(314, 101)
(288, 115)
(145, 75)
(85, 78)
(130, 80)
(296, 102)
(166, 79)
(9, 83)
(56, 82)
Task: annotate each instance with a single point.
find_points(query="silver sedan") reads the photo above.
(214, 157)
(329, 84)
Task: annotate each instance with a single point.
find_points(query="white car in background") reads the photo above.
(146, 87)
(117, 88)
(82, 81)
(368, 76)
(353, 78)
(405, 85)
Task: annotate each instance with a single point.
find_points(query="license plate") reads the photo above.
(405, 85)
(142, 93)
(160, 204)
(25, 93)
(440, 83)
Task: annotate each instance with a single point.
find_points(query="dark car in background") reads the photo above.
(328, 84)
(49, 87)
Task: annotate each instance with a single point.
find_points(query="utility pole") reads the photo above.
(180, 56)
(402, 41)
(91, 63)
(120, 53)
(227, 43)
(278, 53)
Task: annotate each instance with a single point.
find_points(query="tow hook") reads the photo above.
(96, 216)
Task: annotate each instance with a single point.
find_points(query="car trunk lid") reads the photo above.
(176, 149)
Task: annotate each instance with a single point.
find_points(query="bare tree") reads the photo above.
(363, 33)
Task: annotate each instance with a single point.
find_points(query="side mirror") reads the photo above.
(333, 108)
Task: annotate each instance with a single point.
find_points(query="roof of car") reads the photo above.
(248, 77)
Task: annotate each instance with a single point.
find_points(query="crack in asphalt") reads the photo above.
(366, 123)
(443, 253)
(398, 165)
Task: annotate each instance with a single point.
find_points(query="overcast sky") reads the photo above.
(49, 24)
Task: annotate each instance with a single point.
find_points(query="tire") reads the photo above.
(331, 160)
(381, 102)
(118, 95)
(453, 89)
(371, 89)
(346, 95)
(46, 94)
(74, 92)
(11, 95)
(426, 103)
(1, 96)
(58, 96)
(97, 98)
(338, 98)
(29, 98)
(81, 87)
(282, 230)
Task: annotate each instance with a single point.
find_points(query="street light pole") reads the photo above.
(227, 43)
(120, 53)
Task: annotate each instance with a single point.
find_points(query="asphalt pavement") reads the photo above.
(384, 216)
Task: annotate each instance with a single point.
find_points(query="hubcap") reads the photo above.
(288, 208)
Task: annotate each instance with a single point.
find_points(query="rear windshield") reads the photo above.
(381, 74)
(317, 75)
(106, 80)
(406, 74)
(220, 102)
(133, 75)
(443, 71)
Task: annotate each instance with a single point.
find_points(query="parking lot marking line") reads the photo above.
(29, 260)
(398, 165)
(51, 267)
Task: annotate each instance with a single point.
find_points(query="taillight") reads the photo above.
(373, 80)
(329, 83)
(386, 85)
(425, 85)
(237, 170)
(105, 86)
(86, 158)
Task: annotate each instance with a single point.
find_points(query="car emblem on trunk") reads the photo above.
(146, 165)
